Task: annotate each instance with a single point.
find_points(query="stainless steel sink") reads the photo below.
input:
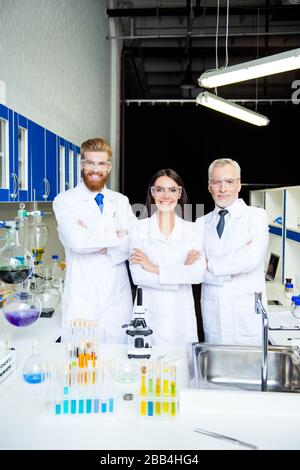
(239, 367)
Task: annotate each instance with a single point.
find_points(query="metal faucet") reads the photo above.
(260, 309)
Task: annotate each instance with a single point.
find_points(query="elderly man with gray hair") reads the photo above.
(235, 243)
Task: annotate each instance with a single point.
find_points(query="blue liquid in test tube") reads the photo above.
(111, 405)
(73, 407)
(96, 405)
(81, 406)
(104, 407)
(88, 405)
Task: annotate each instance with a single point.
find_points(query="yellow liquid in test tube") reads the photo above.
(166, 388)
(143, 404)
(173, 389)
(157, 390)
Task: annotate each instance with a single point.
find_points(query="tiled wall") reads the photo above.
(55, 61)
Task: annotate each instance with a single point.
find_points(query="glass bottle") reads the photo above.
(22, 308)
(57, 274)
(46, 293)
(15, 261)
(288, 294)
(33, 368)
(38, 237)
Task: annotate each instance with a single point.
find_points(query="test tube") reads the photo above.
(165, 388)
(157, 389)
(173, 389)
(143, 391)
(150, 389)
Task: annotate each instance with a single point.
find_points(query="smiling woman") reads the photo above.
(166, 259)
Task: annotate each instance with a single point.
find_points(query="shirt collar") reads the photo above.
(234, 209)
(88, 194)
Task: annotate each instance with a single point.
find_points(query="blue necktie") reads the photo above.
(99, 201)
(221, 223)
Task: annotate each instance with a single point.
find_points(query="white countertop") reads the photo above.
(268, 420)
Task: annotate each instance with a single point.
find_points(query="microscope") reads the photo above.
(138, 331)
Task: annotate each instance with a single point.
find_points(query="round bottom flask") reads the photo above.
(22, 309)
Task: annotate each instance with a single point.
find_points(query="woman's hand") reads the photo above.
(137, 256)
(192, 257)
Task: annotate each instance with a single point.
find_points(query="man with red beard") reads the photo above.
(93, 224)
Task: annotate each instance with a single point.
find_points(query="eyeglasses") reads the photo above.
(159, 190)
(102, 166)
(228, 182)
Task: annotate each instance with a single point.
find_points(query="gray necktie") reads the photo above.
(221, 223)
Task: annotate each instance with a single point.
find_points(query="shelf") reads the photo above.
(293, 235)
(275, 229)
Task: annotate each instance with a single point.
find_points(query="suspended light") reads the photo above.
(227, 107)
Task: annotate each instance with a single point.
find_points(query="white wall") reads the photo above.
(55, 61)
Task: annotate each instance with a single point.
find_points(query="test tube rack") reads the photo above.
(7, 363)
(71, 389)
(158, 391)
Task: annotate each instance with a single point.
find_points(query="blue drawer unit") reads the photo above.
(22, 161)
(35, 163)
(6, 154)
(37, 154)
(51, 176)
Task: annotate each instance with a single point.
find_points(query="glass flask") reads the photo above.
(48, 295)
(15, 261)
(22, 308)
(33, 370)
(38, 236)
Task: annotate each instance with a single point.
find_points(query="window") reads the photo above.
(23, 158)
(62, 169)
(3, 154)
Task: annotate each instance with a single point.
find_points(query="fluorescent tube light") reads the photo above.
(227, 107)
(270, 65)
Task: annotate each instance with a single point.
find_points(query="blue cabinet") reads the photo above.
(6, 155)
(35, 163)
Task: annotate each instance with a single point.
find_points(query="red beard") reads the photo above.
(94, 185)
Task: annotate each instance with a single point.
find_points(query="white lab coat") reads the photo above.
(235, 272)
(96, 285)
(168, 296)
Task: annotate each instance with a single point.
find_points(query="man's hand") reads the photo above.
(192, 257)
(137, 256)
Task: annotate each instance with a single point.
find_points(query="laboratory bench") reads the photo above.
(267, 420)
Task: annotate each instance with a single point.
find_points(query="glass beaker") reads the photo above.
(38, 236)
(15, 261)
(22, 308)
(46, 293)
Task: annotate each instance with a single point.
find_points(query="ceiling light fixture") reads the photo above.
(265, 66)
(227, 107)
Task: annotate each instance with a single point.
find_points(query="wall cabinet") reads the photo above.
(35, 163)
(283, 209)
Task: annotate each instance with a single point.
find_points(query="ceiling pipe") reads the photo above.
(294, 11)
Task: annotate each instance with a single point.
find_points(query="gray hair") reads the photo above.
(223, 162)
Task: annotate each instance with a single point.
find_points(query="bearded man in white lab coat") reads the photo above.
(235, 245)
(94, 235)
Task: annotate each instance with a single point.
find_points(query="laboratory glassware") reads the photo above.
(38, 237)
(22, 308)
(46, 293)
(33, 371)
(15, 261)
